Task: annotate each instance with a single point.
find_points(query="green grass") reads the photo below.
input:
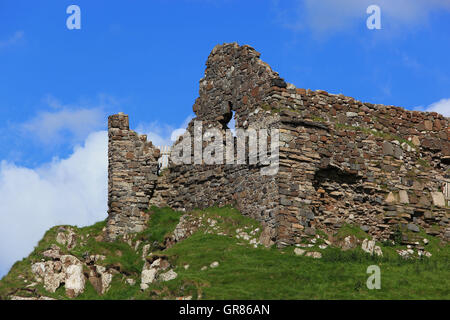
(352, 230)
(246, 272)
(162, 222)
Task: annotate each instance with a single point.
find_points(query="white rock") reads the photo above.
(368, 245)
(186, 266)
(215, 264)
(377, 250)
(131, 282)
(425, 241)
(147, 276)
(299, 252)
(106, 278)
(74, 280)
(38, 269)
(167, 276)
(71, 240)
(61, 238)
(52, 281)
(314, 254)
(155, 264)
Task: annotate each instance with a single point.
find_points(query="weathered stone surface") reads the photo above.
(340, 160)
(438, 199)
(368, 246)
(74, 278)
(314, 254)
(167, 276)
(147, 276)
(391, 198)
(413, 227)
(54, 252)
(377, 250)
(403, 195)
(349, 242)
(132, 166)
(66, 269)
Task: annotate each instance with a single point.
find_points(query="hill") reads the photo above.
(216, 254)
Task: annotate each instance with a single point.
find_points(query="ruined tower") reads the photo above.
(132, 175)
(340, 160)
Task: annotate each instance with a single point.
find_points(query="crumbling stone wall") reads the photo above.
(235, 81)
(132, 175)
(344, 161)
(341, 160)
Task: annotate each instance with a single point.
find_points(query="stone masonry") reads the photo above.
(132, 175)
(341, 160)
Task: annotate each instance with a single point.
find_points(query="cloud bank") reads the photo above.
(65, 191)
(49, 127)
(442, 107)
(68, 123)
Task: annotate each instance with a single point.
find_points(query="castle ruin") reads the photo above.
(340, 160)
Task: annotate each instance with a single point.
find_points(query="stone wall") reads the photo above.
(234, 82)
(341, 160)
(132, 175)
(344, 161)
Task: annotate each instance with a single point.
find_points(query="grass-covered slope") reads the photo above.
(245, 270)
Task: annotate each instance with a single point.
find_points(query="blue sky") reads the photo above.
(145, 58)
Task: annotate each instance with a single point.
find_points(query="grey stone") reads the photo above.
(413, 227)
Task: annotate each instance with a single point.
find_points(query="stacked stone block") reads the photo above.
(132, 175)
(341, 160)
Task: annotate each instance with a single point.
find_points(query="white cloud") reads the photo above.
(16, 37)
(49, 127)
(68, 123)
(163, 134)
(442, 107)
(64, 191)
(331, 15)
(68, 191)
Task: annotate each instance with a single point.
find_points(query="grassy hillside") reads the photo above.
(243, 271)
